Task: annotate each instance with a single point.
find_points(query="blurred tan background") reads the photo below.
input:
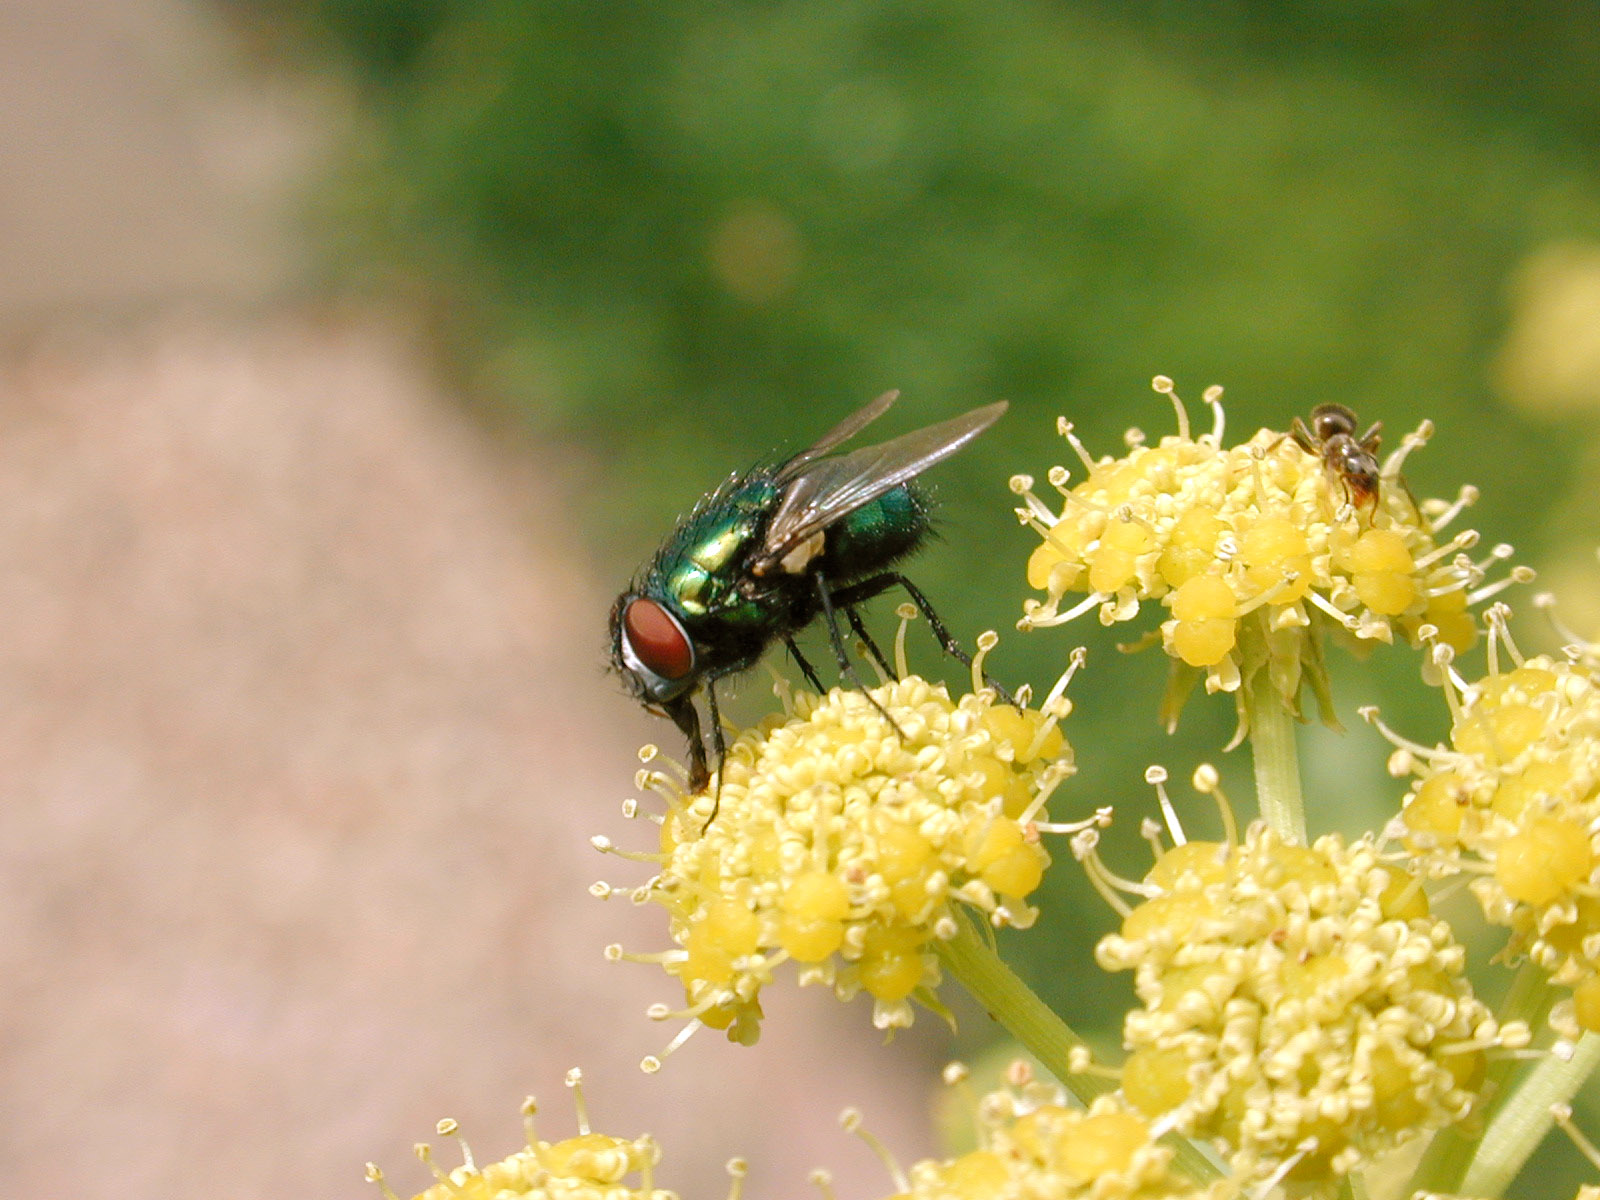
(304, 724)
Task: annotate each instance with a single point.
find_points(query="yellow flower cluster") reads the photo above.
(589, 1166)
(1299, 1005)
(1519, 791)
(841, 842)
(1254, 550)
(1033, 1145)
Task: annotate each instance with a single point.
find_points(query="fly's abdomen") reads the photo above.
(875, 535)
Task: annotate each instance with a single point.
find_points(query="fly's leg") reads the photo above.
(721, 746)
(684, 716)
(809, 671)
(878, 584)
(806, 668)
(873, 652)
(687, 719)
(830, 618)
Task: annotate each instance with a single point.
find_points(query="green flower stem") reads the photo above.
(972, 959)
(1525, 1119)
(1451, 1151)
(1529, 999)
(1277, 763)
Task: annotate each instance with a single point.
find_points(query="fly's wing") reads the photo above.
(829, 489)
(840, 433)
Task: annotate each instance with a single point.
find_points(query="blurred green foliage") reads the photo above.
(689, 234)
(638, 215)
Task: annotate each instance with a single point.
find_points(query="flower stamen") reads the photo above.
(374, 1174)
(1156, 776)
(1064, 428)
(1164, 386)
(1213, 396)
(1444, 514)
(851, 1120)
(1517, 575)
(1562, 1115)
(1208, 782)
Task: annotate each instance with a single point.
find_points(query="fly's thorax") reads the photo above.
(876, 535)
(700, 566)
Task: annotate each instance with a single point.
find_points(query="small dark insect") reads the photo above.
(1332, 438)
(767, 553)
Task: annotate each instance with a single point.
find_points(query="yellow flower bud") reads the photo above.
(1543, 859)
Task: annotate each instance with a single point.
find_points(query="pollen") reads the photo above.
(1255, 551)
(843, 842)
(1513, 802)
(1299, 1005)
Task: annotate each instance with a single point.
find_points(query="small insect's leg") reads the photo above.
(684, 716)
(830, 617)
(1302, 436)
(878, 584)
(1370, 441)
(873, 652)
(806, 668)
(721, 746)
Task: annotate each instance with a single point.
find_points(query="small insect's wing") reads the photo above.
(833, 487)
(840, 433)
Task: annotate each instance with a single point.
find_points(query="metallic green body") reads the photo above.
(696, 571)
(701, 572)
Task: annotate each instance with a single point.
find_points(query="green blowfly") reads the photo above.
(770, 551)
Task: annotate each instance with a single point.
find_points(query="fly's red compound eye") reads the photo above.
(656, 639)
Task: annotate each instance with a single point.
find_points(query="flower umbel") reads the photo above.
(1515, 801)
(1299, 1003)
(1033, 1143)
(1255, 551)
(589, 1166)
(842, 843)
